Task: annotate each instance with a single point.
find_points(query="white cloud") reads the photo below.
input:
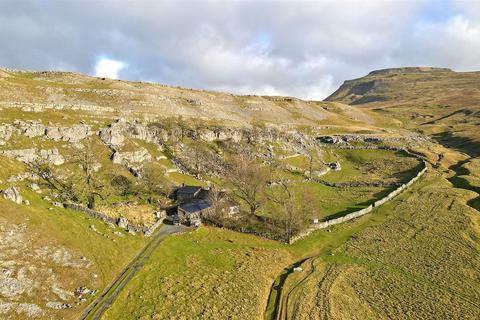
(109, 68)
(298, 48)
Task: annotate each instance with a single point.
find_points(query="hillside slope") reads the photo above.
(43, 91)
(436, 101)
(137, 137)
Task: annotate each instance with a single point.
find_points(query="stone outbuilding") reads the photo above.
(192, 212)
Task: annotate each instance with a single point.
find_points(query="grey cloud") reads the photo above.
(303, 49)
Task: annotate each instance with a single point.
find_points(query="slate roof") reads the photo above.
(196, 206)
(189, 189)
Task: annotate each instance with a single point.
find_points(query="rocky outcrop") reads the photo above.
(134, 157)
(23, 155)
(33, 129)
(75, 133)
(6, 131)
(13, 194)
(122, 223)
(113, 135)
(51, 156)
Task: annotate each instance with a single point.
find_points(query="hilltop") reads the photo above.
(435, 101)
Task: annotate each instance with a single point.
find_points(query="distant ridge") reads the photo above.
(408, 70)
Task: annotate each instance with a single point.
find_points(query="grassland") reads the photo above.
(416, 257)
(59, 231)
(421, 262)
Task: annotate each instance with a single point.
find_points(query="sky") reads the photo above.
(304, 49)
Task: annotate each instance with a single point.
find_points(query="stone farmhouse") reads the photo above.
(195, 203)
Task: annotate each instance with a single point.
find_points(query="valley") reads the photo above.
(92, 167)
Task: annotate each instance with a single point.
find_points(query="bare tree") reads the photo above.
(293, 210)
(248, 181)
(50, 177)
(86, 159)
(153, 184)
(314, 160)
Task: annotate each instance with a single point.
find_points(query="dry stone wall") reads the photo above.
(359, 213)
(147, 231)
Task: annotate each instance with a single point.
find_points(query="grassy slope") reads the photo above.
(444, 105)
(421, 262)
(204, 258)
(69, 229)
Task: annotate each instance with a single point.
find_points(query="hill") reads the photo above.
(121, 148)
(435, 101)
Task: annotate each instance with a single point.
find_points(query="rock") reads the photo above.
(31, 155)
(57, 204)
(30, 309)
(297, 269)
(122, 223)
(26, 202)
(75, 133)
(126, 158)
(52, 156)
(34, 130)
(6, 131)
(12, 194)
(113, 135)
(58, 305)
(34, 187)
(53, 133)
(23, 155)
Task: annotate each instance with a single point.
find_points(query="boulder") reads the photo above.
(34, 130)
(122, 223)
(31, 155)
(126, 158)
(53, 133)
(52, 156)
(23, 155)
(6, 131)
(12, 194)
(75, 133)
(113, 135)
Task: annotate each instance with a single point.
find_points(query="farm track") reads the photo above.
(101, 304)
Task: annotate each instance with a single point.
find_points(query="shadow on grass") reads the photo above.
(463, 183)
(359, 206)
(463, 144)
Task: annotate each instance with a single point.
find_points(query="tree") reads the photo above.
(248, 181)
(50, 177)
(293, 211)
(87, 161)
(314, 161)
(122, 184)
(153, 184)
